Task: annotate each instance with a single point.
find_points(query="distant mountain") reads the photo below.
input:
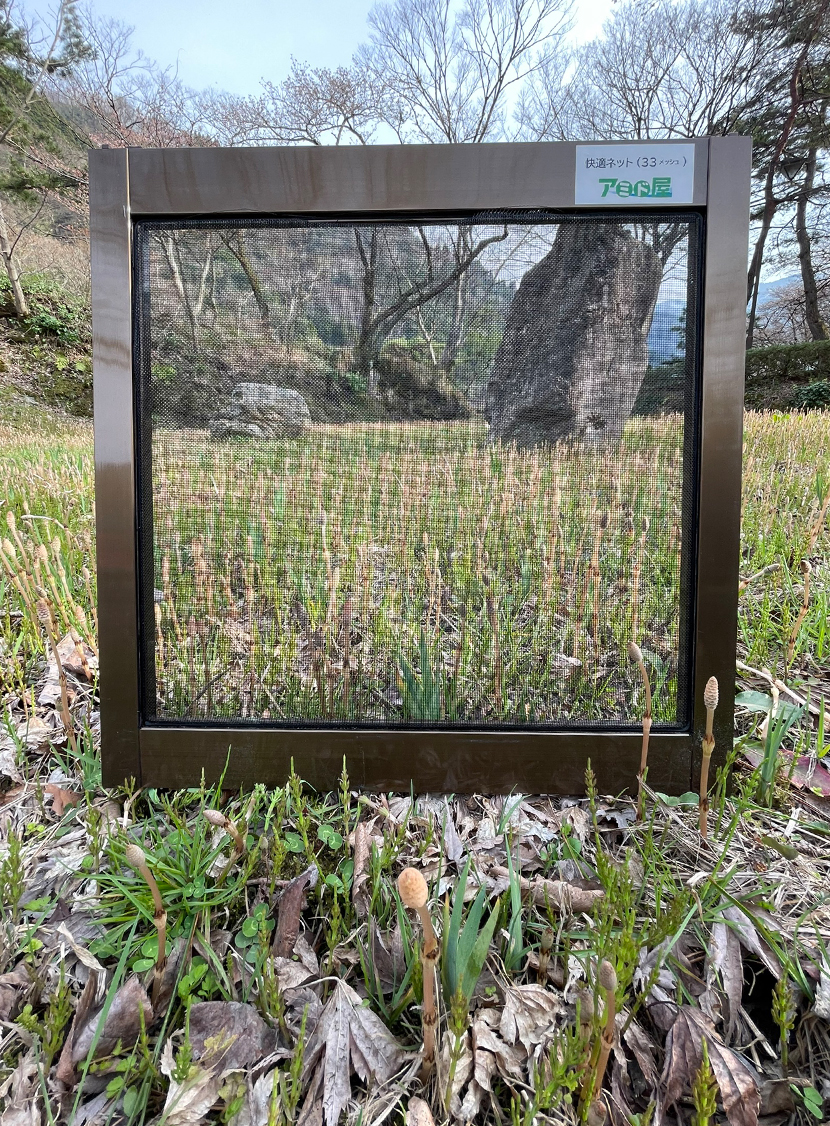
(768, 289)
(664, 343)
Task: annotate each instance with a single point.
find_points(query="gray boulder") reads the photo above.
(261, 410)
(575, 346)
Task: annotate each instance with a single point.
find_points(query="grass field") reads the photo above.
(395, 572)
(419, 573)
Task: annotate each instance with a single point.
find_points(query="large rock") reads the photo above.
(260, 410)
(575, 347)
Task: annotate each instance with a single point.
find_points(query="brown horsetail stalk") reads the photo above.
(635, 576)
(138, 861)
(636, 655)
(44, 614)
(492, 615)
(220, 821)
(710, 702)
(806, 571)
(602, 524)
(217, 818)
(608, 980)
(545, 947)
(16, 573)
(412, 888)
(347, 641)
(819, 521)
(92, 602)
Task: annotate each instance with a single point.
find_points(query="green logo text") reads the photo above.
(658, 188)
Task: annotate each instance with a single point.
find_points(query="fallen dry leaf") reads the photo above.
(642, 1048)
(35, 732)
(122, 1022)
(170, 977)
(509, 1059)
(807, 774)
(189, 1100)
(76, 657)
(725, 957)
(290, 909)
(453, 847)
(362, 850)
(81, 953)
(821, 1004)
(60, 798)
(529, 1015)
(737, 1081)
(20, 1094)
(463, 1073)
(350, 1038)
(418, 1113)
(751, 940)
(256, 1102)
(65, 1072)
(9, 774)
(228, 1036)
(12, 986)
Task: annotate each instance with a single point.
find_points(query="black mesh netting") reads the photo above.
(409, 472)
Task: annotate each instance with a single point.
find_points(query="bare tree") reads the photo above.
(121, 98)
(379, 312)
(816, 322)
(659, 70)
(798, 38)
(450, 71)
(311, 106)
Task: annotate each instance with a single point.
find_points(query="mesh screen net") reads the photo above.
(402, 472)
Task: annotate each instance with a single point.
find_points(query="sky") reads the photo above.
(232, 45)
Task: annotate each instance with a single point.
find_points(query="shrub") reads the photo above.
(795, 363)
(815, 396)
(778, 377)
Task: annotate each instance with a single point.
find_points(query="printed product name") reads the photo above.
(659, 187)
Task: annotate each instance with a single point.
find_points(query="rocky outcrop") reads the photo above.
(575, 350)
(260, 410)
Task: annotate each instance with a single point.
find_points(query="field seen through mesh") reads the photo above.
(47, 493)
(390, 573)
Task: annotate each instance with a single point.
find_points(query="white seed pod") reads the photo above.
(635, 653)
(214, 817)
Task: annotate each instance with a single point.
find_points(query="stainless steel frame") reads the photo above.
(136, 183)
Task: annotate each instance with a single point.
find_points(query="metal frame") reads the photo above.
(128, 184)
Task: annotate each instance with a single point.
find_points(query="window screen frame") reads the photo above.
(396, 182)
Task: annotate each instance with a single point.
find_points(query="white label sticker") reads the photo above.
(635, 174)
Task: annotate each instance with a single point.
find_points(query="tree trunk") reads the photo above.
(815, 322)
(21, 305)
(459, 307)
(575, 346)
(171, 250)
(239, 251)
(770, 202)
(364, 351)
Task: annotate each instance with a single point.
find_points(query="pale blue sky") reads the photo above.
(232, 45)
